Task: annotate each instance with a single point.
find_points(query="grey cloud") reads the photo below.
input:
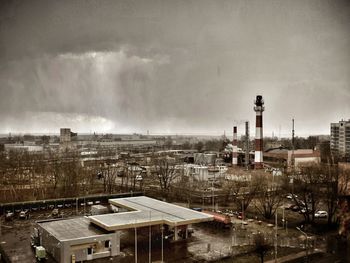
(177, 66)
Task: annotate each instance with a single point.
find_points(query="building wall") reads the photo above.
(79, 247)
(50, 243)
(340, 139)
(62, 251)
(304, 156)
(304, 160)
(65, 135)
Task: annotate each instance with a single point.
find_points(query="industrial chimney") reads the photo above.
(235, 147)
(259, 108)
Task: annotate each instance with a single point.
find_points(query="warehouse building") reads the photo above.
(284, 157)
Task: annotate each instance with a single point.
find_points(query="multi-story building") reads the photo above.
(65, 135)
(340, 139)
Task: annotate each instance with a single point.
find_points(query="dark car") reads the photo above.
(295, 208)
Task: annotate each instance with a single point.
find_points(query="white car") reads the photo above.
(139, 178)
(321, 214)
(290, 196)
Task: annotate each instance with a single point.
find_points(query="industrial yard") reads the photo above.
(175, 131)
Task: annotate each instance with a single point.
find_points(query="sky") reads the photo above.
(173, 67)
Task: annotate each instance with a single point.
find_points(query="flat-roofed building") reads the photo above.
(284, 157)
(87, 238)
(77, 239)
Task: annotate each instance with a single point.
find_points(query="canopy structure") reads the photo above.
(145, 211)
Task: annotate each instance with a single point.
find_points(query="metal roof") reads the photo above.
(68, 229)
(147, 211)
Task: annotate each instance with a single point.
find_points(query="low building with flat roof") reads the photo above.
(283, 156)
(77, 239)
(97, 236)
(147, 211)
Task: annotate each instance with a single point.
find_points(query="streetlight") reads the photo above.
(150, 238)
(162, 228)
(307, 243)
(135, 242)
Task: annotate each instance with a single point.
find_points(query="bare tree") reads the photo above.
(245, 191)
(166, 173)
(109, 175)
(268, 199)
(330, 186)
(308, 184)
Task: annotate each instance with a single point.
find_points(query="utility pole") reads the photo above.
(293, 158)
(306, 243)
(276, 236)
(135, 243)
(150, 239)
(293, 144)
(212, 194)
(162, 228)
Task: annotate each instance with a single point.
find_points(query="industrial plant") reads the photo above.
(174, 131)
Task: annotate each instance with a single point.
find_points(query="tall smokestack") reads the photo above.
(235, 147)
(259, 108)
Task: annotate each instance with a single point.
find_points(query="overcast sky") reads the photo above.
(173, 66)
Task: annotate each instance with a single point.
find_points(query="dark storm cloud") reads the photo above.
(173, 66)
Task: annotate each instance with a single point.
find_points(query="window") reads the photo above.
(89, 251)
(107, 243)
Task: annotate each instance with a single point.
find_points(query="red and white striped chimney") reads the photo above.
(235, 147)
(259, 108)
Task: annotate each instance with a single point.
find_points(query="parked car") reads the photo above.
(288, 206)
(24, 214)
(321, 214)
(290, 196)
(55, 213)
(139, 178)
(294, 208)
(9, 216)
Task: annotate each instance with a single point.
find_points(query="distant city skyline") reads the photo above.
(170, 67)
